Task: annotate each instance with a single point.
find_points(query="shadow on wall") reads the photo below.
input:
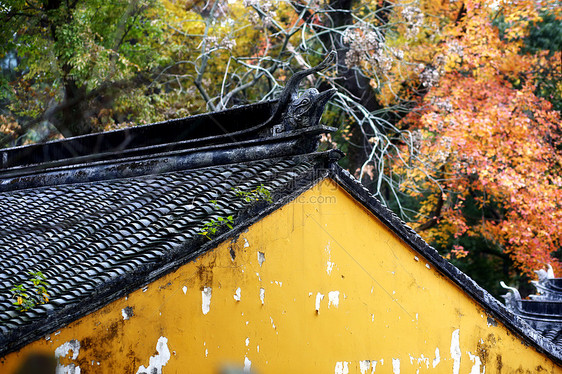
(38, 363)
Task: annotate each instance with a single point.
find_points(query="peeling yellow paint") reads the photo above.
(390, 313)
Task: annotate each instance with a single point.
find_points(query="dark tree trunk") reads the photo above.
(356, 84)
(72, 120)
(69, 119)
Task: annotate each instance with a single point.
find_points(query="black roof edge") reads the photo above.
(195, 129)
(143, 276)
(409, 236)
(296, 142)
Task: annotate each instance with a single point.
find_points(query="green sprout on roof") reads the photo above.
(211, 228)
(25, 299)
(258, 194)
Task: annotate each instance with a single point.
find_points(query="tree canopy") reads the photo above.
(449, 111)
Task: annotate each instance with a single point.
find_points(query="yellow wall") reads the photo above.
(384, 309)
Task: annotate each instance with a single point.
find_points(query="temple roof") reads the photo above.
(542, 311)
(105, 214)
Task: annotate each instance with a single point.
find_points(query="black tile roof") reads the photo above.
(102, 239)
(103, 215)
(543, 311)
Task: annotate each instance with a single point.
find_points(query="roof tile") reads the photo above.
(85, 236)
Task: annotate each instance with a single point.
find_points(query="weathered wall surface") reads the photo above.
(319, 286)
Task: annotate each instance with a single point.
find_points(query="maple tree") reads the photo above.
(490, 148)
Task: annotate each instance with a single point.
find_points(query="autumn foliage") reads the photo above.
(484, 136)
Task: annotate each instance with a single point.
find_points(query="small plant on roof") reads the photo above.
(27, 299)
(211, 228)
(257, 194)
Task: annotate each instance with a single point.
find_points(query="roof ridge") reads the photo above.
(197, 127)
(292, 115)
(299, 142)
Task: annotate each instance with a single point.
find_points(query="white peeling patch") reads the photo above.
(329, 267)
(396, 366)
(261, 258)
(427, 266)
(456, 351)
(364, 366)
(206, 352)
(333, 298)
(372, 317)
(56, 333)
(416, 258)
(342, 367)
(247, 342)
(145, 289)
(319, 298)
(206, 297)
(262, 295)
(476, 367)
(246, 244)
(184, 289)
(420, 360)
(127, 313)
(272, 324)
(157, 362)
(62, 351)
(237, 294)
(247, 365)
(437, 359)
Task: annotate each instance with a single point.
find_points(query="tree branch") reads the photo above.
(435, 215)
